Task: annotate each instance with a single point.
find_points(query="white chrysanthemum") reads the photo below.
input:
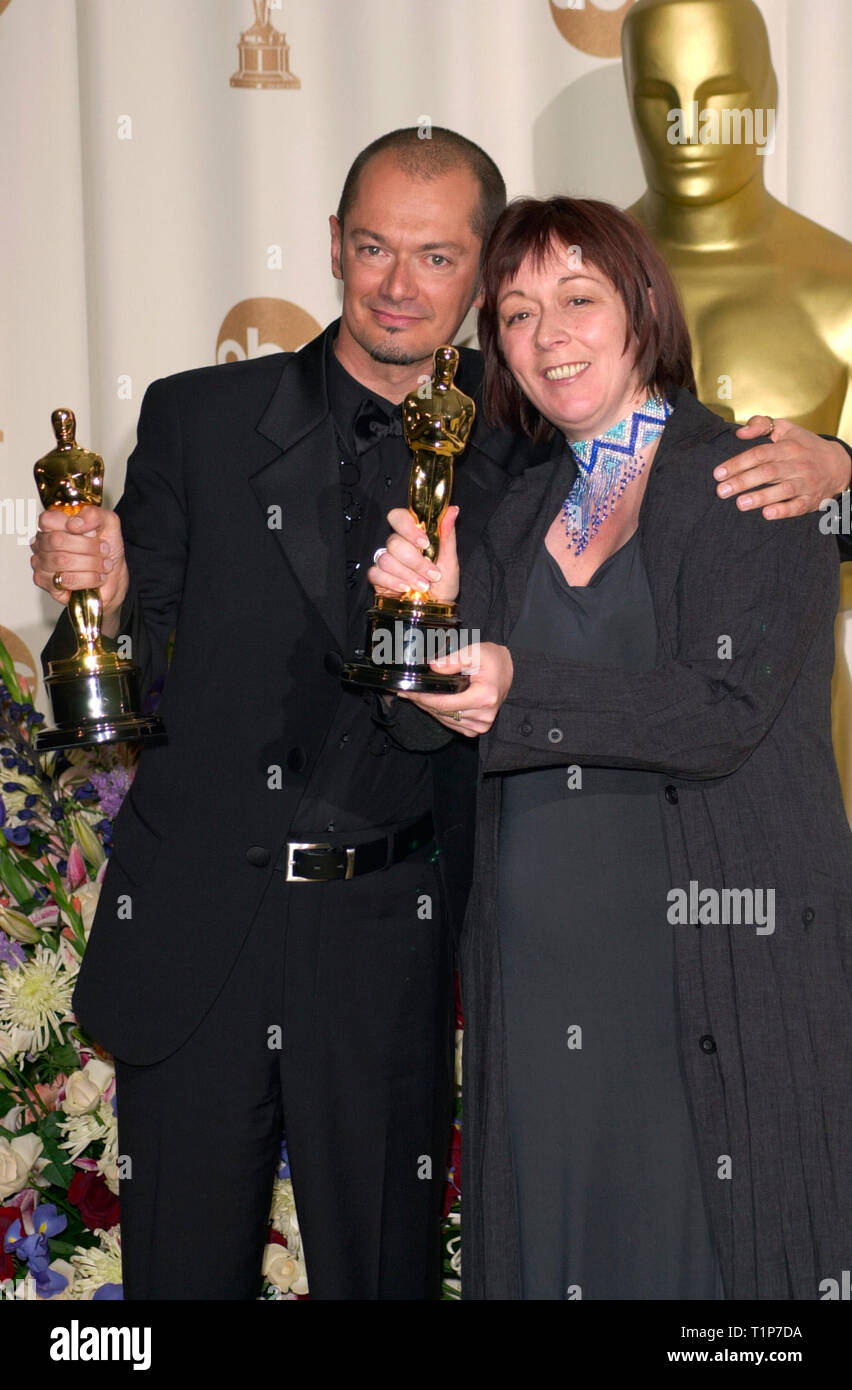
(36, 997)
(82, 1130)
(108, 1161)
(282, 1215)
(101, 1264)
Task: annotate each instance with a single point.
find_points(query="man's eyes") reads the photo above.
(434, 258)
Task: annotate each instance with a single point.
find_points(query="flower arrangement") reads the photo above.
(58, 1137)
(59, 1162)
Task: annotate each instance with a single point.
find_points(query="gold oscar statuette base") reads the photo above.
(404, 635)
(94, 698)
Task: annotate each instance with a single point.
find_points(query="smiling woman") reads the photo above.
(574, 291)
(650, 1110)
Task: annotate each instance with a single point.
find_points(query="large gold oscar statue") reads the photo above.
(765, 290)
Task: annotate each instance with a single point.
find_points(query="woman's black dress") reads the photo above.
(609, 1199)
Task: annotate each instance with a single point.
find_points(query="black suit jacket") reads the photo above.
(260, 623)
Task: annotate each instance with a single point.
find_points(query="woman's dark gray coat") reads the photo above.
(743, 730)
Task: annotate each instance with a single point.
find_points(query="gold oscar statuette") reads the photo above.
(404, 634)
(94, 693)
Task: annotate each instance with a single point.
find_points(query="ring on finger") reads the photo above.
(57, 581)
(382, 550)
(456, 715)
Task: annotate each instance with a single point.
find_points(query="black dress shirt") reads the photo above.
(362, 780)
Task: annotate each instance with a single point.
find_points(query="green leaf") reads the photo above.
(13, 878)
(65, 1059)
(49, 1127)
(7, 666)
(55, 1176)
(34, 871)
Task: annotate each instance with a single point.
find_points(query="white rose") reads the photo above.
(83, 1089)
(16, 1160)
(81, 1094)
(283, 1270)
(100, 1072)
(300, 1283)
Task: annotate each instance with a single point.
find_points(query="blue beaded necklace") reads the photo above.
(605, 465)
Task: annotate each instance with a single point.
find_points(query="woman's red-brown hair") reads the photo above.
(610, 241)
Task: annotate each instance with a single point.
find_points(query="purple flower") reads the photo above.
(19, 835)
(49, 1281)
(111, 788)
(48, 1221)
(12, 952)
(34, 1250)
(108, 1291)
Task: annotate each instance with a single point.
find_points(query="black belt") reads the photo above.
(301, 862)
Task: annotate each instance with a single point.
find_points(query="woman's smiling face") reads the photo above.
(563, 326)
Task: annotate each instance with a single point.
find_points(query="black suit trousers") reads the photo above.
(334, 1026)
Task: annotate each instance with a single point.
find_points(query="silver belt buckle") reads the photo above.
(294, 845)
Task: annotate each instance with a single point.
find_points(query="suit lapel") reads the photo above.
(303, 480)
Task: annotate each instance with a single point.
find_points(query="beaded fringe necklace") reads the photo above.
(605, 465)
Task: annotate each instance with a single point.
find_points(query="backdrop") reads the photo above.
(161, 210)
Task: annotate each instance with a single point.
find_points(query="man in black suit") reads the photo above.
(272, 947)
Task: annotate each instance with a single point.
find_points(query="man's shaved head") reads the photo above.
(430, 156)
